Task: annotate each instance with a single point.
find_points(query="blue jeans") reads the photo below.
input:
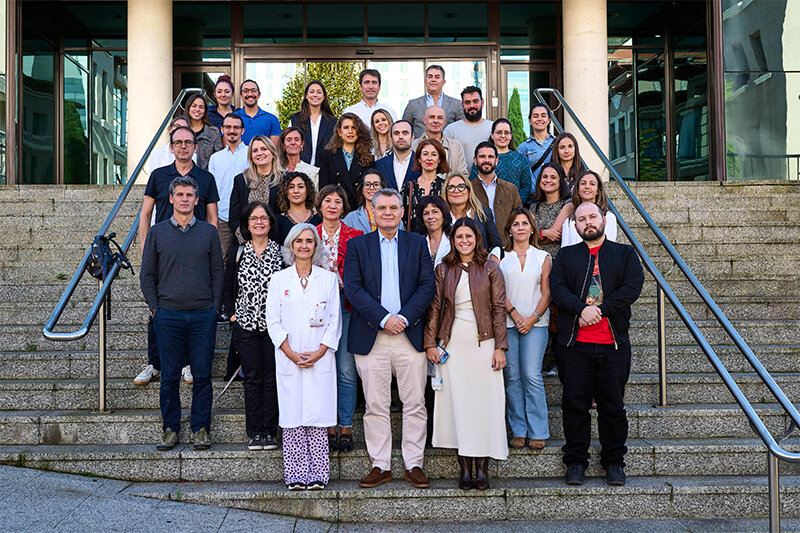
(346, 377)
(179, 332)
(527, 404)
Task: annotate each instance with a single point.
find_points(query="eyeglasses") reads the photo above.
(183, 143)
(368, 185)
(249, 91)
(264, 218)
(461, 187)
(503, 133)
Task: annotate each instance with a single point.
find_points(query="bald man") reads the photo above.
(434, 120)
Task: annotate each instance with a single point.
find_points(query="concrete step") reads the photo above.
(141, 462)
(143, 426)
(508, 499)
(51, 394)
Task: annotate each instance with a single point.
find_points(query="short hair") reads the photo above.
(472, 89)
(244, 220)
(442, 167)
(369, 72)
(283, 190)
(563, 189)
(237, 116)
(391, 193)
(439, 203)
(485, 144)
(453, 257)
(182, 181)
(184, 128)
(360, 187)
(519, 210)
(400, 122)
(331, 189)
(179, 118)
(437, 67)
(250, 81)
(288, 252)
(599, 209)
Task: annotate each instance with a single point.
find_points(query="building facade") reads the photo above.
(672, 90)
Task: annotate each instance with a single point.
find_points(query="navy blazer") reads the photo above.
(362, 287)
(386, 166)
(326, 128)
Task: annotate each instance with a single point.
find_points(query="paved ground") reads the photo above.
(34, 501)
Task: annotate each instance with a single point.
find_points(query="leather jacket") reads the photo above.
(488, 293)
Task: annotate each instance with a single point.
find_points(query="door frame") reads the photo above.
(505, 68)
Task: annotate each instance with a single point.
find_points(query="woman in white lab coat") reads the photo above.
(304, 321)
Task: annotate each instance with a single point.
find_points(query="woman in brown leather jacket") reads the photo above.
(467, 318)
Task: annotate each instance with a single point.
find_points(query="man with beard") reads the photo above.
(593, 284)
(398, 167)
(255, 120)
(473, 129)
(498, 195)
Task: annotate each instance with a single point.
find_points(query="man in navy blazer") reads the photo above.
(388, 279)
(401, 158)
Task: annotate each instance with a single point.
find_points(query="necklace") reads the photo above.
(304, 282)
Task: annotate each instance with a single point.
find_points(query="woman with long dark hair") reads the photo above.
(467, 319)
(347, 155)
(430, 159)
(589, 188)
(551, 207)
(296, 200)
(207, 136)
(567, 154)
(315, 120)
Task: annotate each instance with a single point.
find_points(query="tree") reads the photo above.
(515, 118)
(341, 84)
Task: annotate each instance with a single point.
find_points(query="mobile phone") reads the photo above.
(443, 354)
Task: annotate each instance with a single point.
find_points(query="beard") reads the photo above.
(487, 168)
(473, 116)
(591, 234)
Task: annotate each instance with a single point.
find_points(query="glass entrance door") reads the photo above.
(519, 82)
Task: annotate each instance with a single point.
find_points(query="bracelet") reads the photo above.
(537, 315)
(511, 311)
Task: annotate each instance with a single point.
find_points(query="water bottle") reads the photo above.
(436, 379)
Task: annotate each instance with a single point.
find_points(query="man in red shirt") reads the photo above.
(594, 284)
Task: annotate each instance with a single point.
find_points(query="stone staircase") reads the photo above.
(698, 458)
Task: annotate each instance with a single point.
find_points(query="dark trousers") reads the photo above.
(177, 333)
(152, 346)
(594, 371)
(257, 354)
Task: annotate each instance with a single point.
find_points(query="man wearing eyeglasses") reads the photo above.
(256, 120)
(224, 165)
(156, 195)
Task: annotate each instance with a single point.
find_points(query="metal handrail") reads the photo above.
(114, 270)
(775, 451)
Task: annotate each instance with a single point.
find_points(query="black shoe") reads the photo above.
(296, 486)
(255, 443)
(315, 485)
(333, 442)
(345, 442)
(268, 442)
(615, 475)
(575, 475)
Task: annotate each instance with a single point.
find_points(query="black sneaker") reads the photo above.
(255, 443)
(575, 475)
(268, 442)
(315, 485)
(333, 442)
(615, 475)
(296, 486)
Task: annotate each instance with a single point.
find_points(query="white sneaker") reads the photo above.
(146, 375)
(186, 375)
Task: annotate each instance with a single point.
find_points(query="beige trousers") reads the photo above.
(394, 354)
(225, 239)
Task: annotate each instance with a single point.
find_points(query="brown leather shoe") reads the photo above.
(517, 442)
(536, 444)
(417, 478)
(375, 478)
(481, 473)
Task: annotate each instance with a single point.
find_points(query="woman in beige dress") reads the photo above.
(467, 319)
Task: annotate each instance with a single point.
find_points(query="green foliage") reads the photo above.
(340, 80)
(30, 347)
(515, 117)
(76, 147)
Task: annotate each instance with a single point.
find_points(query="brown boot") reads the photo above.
(465, 477)
(482, 473)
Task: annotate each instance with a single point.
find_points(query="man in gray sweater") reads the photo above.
(181, 279)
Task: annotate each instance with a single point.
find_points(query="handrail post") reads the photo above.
(774, 493)
(101, 360)
(662, 348)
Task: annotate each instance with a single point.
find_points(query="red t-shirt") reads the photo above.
(599, 333)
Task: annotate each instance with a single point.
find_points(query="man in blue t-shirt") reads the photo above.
(182, 143)
(256, 120)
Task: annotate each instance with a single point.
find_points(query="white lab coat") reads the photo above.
(306, 396)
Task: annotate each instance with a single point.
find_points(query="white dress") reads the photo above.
(306, 396)
(470, 409)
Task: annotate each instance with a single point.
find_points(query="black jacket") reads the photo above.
(240, 198)
(326, 128)
(333, 170)
(622, 278)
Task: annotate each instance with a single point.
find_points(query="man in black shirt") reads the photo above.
(181, 279)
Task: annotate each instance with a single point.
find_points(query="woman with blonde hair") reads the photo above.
(462, 203)
(381, 133)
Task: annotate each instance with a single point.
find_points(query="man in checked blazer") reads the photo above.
(415, 110)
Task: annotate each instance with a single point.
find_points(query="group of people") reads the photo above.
(365, 248)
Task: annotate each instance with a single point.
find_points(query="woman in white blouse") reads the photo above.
(588, 189)
(526, 269)
(305, 322)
